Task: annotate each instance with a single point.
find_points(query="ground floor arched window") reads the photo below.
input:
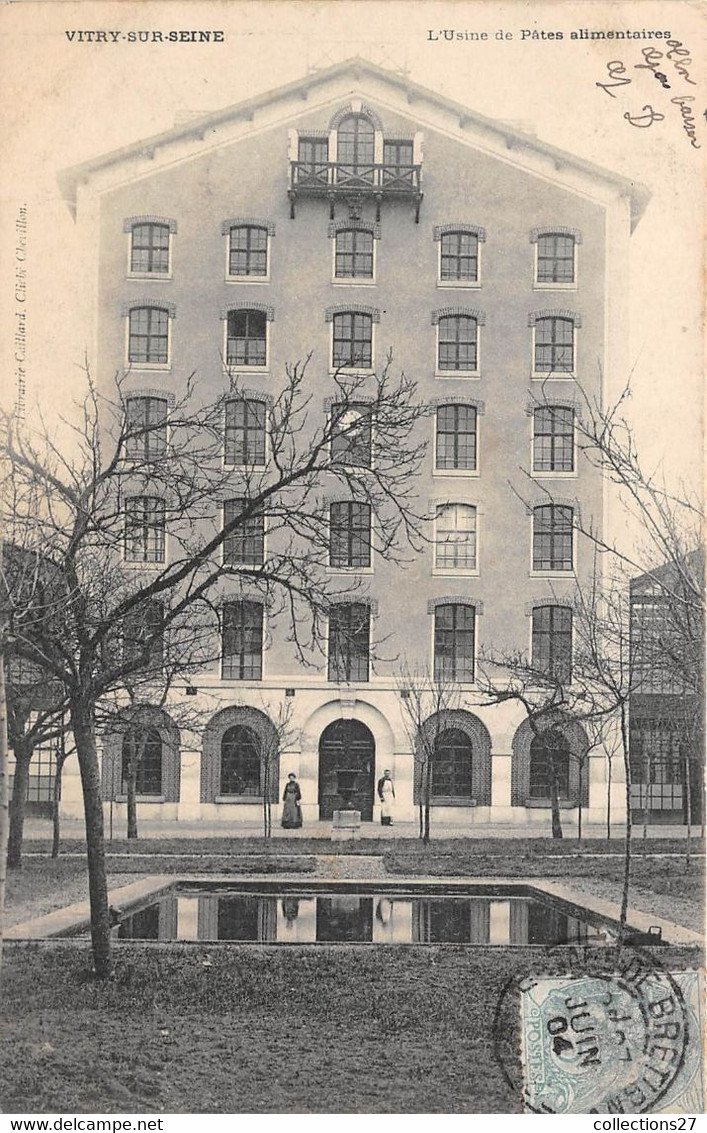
(148, 739)
(549, 759)
(144, 747)
(451, 765)
(240, 762)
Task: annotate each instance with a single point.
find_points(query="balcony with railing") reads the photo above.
(345, 181)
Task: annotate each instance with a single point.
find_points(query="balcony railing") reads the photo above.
(333, 179)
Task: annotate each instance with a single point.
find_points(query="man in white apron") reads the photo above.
(386, 794)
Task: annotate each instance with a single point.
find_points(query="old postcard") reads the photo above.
(352, 574)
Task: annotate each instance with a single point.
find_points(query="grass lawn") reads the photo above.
(243, 1029)
(250, 1029)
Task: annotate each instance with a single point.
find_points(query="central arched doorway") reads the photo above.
(347, 758)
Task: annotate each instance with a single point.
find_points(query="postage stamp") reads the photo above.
(627, 1042)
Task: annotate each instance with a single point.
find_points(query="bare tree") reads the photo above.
(428, 700)
(131, 514)
(273, 742)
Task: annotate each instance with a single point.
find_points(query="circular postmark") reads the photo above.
(593, 1041)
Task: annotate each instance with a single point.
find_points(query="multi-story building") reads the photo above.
(666, 707)
(352, 213)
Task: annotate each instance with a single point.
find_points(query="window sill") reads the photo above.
(145, 275)
(241, 800)
(554, 286)
(464, 284)
(350, 372)
(546, 804)
(468, 472)
(554, 475)
(551, 573)
(148, 367)
(137, 564)
(455, 572)
(142, 798)
(258, 279)
(349, 570)
(353, 282)
(566, 376)
(465, 374)
(245, 467)
(451, 800)
(232, 370)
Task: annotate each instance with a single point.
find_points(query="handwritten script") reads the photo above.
(670, 69)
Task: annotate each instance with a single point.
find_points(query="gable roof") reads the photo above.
(357, 69)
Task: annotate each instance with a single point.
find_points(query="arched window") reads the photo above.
(240, 762)
(143, 745)
(549, 758)
(554, 345)
(355, 149)
(248, 250)
(353, 254)
(451, 766)
(458, 343)
(246, 338)
(148, 336)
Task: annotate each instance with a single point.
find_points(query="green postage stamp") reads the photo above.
(623, 1043)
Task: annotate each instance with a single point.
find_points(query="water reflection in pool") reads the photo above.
(375, 918)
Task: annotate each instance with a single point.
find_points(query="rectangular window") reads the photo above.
(144, 529)
(148, 341)
(242, 641)
(149, 249)
(398, 163)
(459, 257)
(142, 633)
(552, 537)
(352, 341)
(245, 545)
(349, 637)
(554, 345)
(552, 642)
(146, 428)
(555, 258)
(354, 254)
(248, 250)
(349, 534)
(454, 643)
(246, 338)
(455, 537)
(553, 439)
(245, 433)
(352, 435)
(457, 343)
(313, 157)
(456, 437)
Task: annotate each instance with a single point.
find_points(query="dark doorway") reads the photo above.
(347, 756)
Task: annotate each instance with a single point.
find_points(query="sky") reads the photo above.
(65, 101)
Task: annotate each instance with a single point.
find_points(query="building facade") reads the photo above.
(347, 216)
(666, 707)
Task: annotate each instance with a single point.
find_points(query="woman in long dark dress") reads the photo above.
(292, 811)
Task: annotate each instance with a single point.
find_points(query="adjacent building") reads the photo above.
(347, 215)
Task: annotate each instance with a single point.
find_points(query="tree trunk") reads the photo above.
(4, 816)
(688, 803)
(131, 785)
(83, 727)
(629, 829)
(56, 818)
(647, 798)
(579, 810)
(555, 800)
(18, 803)
(267, 808)
(427, 792)
(608, 805)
